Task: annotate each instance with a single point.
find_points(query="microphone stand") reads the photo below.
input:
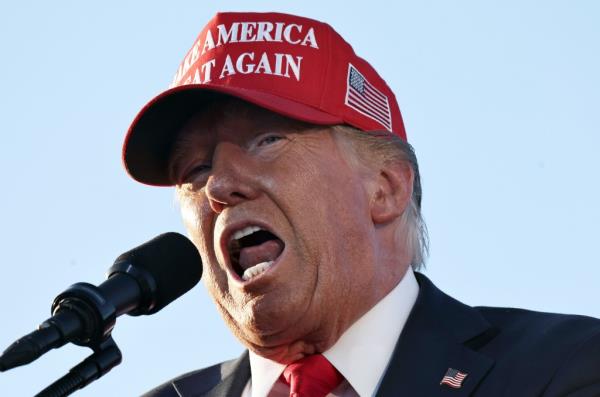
(105, 357)
(85, 314)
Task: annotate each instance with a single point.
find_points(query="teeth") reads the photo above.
(256, 270)
(244, 232)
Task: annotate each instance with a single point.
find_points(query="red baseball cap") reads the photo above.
(294, 66)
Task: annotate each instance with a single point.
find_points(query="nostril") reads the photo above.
(216, 206)
(224, 189)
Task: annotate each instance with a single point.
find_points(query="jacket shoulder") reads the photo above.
(201, 380)
(529, 325)
(563, 349)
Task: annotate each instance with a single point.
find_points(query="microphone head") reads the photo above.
(165, 268)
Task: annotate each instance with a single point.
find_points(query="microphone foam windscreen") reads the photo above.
(171, 260)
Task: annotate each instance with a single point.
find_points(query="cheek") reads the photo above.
(198, 219)
(194, 216)
(345, 225)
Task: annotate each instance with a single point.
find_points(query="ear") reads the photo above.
(392, 192)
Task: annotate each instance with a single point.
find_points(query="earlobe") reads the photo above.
(392, 191)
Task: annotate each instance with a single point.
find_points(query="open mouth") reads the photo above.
(253, 250)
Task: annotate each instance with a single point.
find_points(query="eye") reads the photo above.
(269, 139)
(195, 172)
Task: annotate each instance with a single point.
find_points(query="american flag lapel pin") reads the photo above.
(453, 378)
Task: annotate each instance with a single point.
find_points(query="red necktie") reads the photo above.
(312, 376)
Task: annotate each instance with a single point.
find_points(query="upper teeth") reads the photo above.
(245, 232)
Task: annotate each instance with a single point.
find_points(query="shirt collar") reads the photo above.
(363, 352)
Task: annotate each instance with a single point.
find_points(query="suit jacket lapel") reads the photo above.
(439, 334)
(233, 378)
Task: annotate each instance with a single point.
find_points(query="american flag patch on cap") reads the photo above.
(366, 99)
(453, 378)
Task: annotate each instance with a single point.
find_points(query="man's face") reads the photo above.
(280, 214)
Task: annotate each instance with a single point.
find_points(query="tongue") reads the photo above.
(267, 251)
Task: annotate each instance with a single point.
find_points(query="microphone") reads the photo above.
(141, 281)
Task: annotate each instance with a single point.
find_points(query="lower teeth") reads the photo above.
(256, 270)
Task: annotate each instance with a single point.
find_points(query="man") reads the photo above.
(299, 188)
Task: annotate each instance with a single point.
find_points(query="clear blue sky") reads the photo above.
(500, 100)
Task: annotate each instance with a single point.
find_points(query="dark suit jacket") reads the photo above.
(505, 352)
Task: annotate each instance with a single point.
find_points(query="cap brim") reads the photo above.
(150, 137)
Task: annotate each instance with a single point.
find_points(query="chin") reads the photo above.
(268, 318)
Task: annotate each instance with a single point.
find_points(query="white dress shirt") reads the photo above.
(361, 354)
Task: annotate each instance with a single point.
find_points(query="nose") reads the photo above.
(232, 180)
